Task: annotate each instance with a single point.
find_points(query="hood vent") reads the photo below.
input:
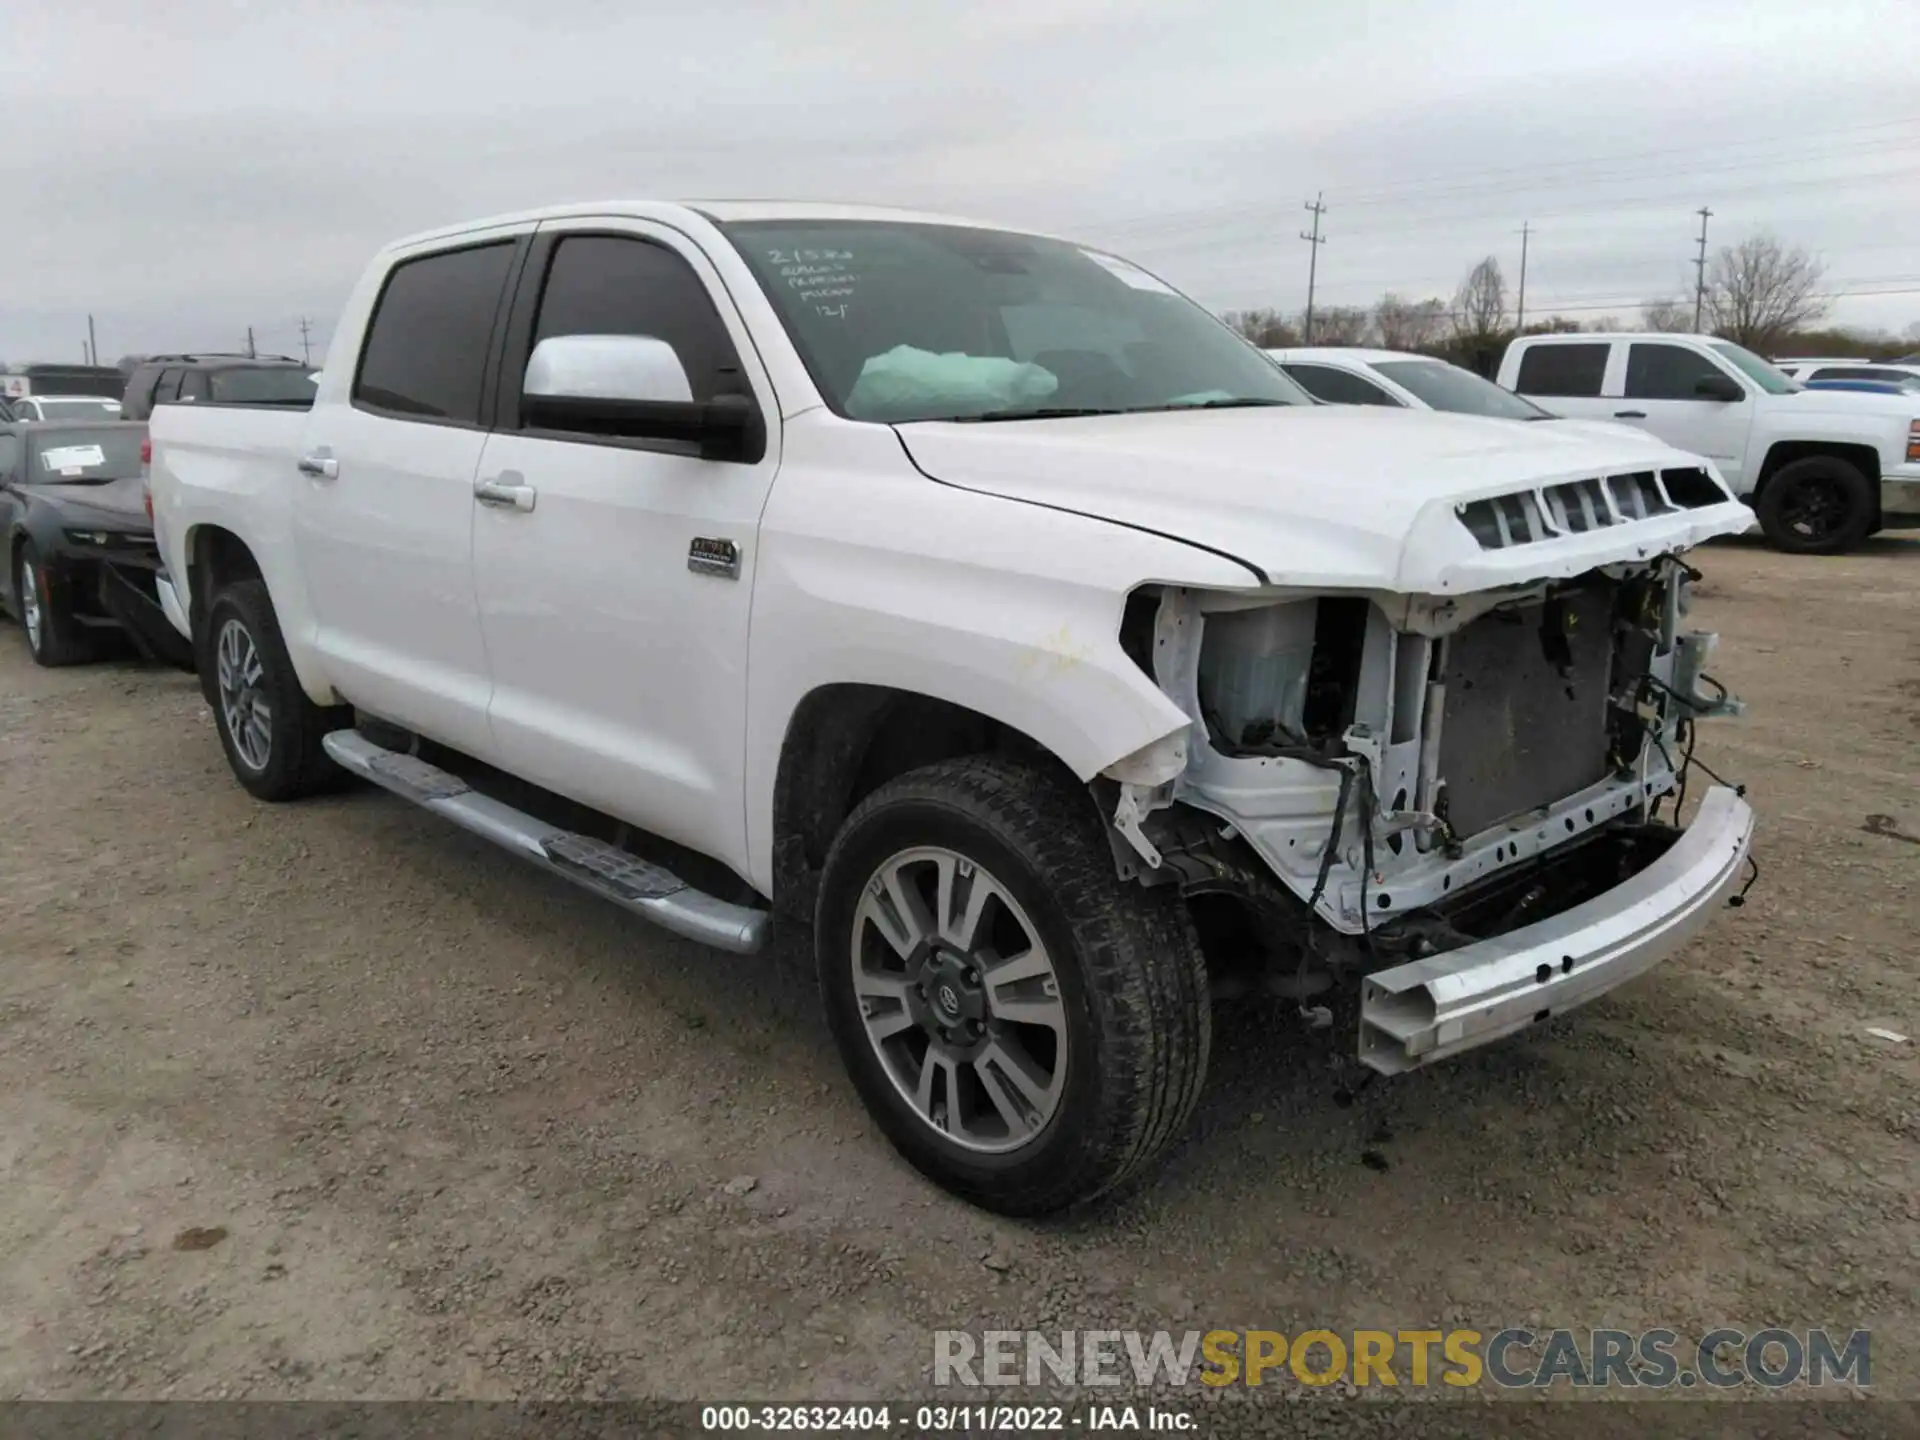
(1528, 517)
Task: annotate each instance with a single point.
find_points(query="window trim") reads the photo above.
(516, 339)
(489, 362)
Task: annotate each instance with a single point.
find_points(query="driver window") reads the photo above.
(1667, 372)
(618, 285)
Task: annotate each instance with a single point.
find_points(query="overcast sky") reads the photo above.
(185, 169)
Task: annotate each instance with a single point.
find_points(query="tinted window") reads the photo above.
(279, 385)
(1773, 381)
(1667, 372)
(1448, 387)
(9, 452)
(426, 350)
(168, 389)
(1572, 370)
(193, 385)
(1337, 387)
(612, 285)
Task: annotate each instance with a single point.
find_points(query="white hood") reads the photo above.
(1327, 496)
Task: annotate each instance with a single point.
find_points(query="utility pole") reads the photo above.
(1700, 270)
(93, 345)
(1315, 239)
(306, 348)
(1520, 306)
(250, 354)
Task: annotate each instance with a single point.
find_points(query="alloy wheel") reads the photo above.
(960, 999)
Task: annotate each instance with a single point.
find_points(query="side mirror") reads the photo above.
(1718, 387)
(633, 387)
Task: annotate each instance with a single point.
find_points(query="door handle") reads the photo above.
(1629, 414)
(320, 467)
(505, 493)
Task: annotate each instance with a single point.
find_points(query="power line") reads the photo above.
(1314, 241)
(1369, 196)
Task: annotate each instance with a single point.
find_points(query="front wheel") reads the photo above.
(1027, 1029)
(269, 728)
(46, 614)
(1817, 506)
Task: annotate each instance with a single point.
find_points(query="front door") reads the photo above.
(1658, 395)
(614, 596)
(384, 507)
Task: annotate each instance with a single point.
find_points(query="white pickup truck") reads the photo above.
(978, 600)
(1824, 469)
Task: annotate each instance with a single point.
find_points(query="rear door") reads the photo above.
(1658, 395)
(615, 608)
(384, 507)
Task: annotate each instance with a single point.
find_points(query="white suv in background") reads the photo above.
(1823, 468)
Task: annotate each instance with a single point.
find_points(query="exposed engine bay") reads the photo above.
(1416, 771)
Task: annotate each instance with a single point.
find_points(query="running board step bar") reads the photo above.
(610, 872)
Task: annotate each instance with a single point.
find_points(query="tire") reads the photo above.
(1127, 1009)
(278, 756)
(54, 637)
(1818, 506)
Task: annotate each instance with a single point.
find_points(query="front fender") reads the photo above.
(1007, 609)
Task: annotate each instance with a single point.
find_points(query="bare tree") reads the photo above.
(1406, 324)
(1759, 291)
(1269, 329)
(1342, 325)
(1668, 313)
(1480, 304)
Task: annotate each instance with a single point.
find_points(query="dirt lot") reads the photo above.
(333, 1101)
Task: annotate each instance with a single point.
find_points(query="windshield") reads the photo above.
(1448, 387)
(899, 321)
(86, 454)
(278, 385)
(1773, 381)
(75, 408)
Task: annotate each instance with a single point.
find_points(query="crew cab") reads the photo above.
(975, 599)
(1823, 469)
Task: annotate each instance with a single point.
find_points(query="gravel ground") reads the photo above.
(331, 1101)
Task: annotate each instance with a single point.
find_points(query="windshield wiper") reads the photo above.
(1058, 412)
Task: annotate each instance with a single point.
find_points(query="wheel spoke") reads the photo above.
(963, 896)
(1030, 964)
(1045, 1010)
(898, 913)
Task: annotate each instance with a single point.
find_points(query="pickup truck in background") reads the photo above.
(1823, 469)
(976, 599)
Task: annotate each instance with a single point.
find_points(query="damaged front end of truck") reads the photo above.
(1451, 787)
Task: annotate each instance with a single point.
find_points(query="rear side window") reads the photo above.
(9, 455)
(282, 385)
(193, 385)
(1571, 370)
(1666, 372)
(168, 390)
(1337, 387)
(426, 350)
(617, 285)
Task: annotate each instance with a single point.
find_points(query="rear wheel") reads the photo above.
(1027, 1029)
(46, 613)
(270, 730)
(1818, 506)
